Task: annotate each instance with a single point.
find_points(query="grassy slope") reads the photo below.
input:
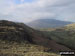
(23, 49)
(16, 40)
(64, 35)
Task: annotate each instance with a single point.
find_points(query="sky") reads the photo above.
(29, 10)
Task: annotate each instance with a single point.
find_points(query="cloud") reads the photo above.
(22, 1)
(38, 9)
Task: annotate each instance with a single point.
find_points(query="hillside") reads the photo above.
(64, 35)
(17, 39)
(47, 23)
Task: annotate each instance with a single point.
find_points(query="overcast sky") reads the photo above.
(29, 10)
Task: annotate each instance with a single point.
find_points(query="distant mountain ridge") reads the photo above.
(47, 23)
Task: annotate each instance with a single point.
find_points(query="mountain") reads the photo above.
(17, 39)
(17, 32)
(47, 23)
(63, 35)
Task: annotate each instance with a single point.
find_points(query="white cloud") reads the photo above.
(22, 0)
(25, 12)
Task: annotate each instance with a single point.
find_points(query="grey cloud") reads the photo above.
(58, 9)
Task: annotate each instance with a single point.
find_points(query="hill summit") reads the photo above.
(47, 23)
